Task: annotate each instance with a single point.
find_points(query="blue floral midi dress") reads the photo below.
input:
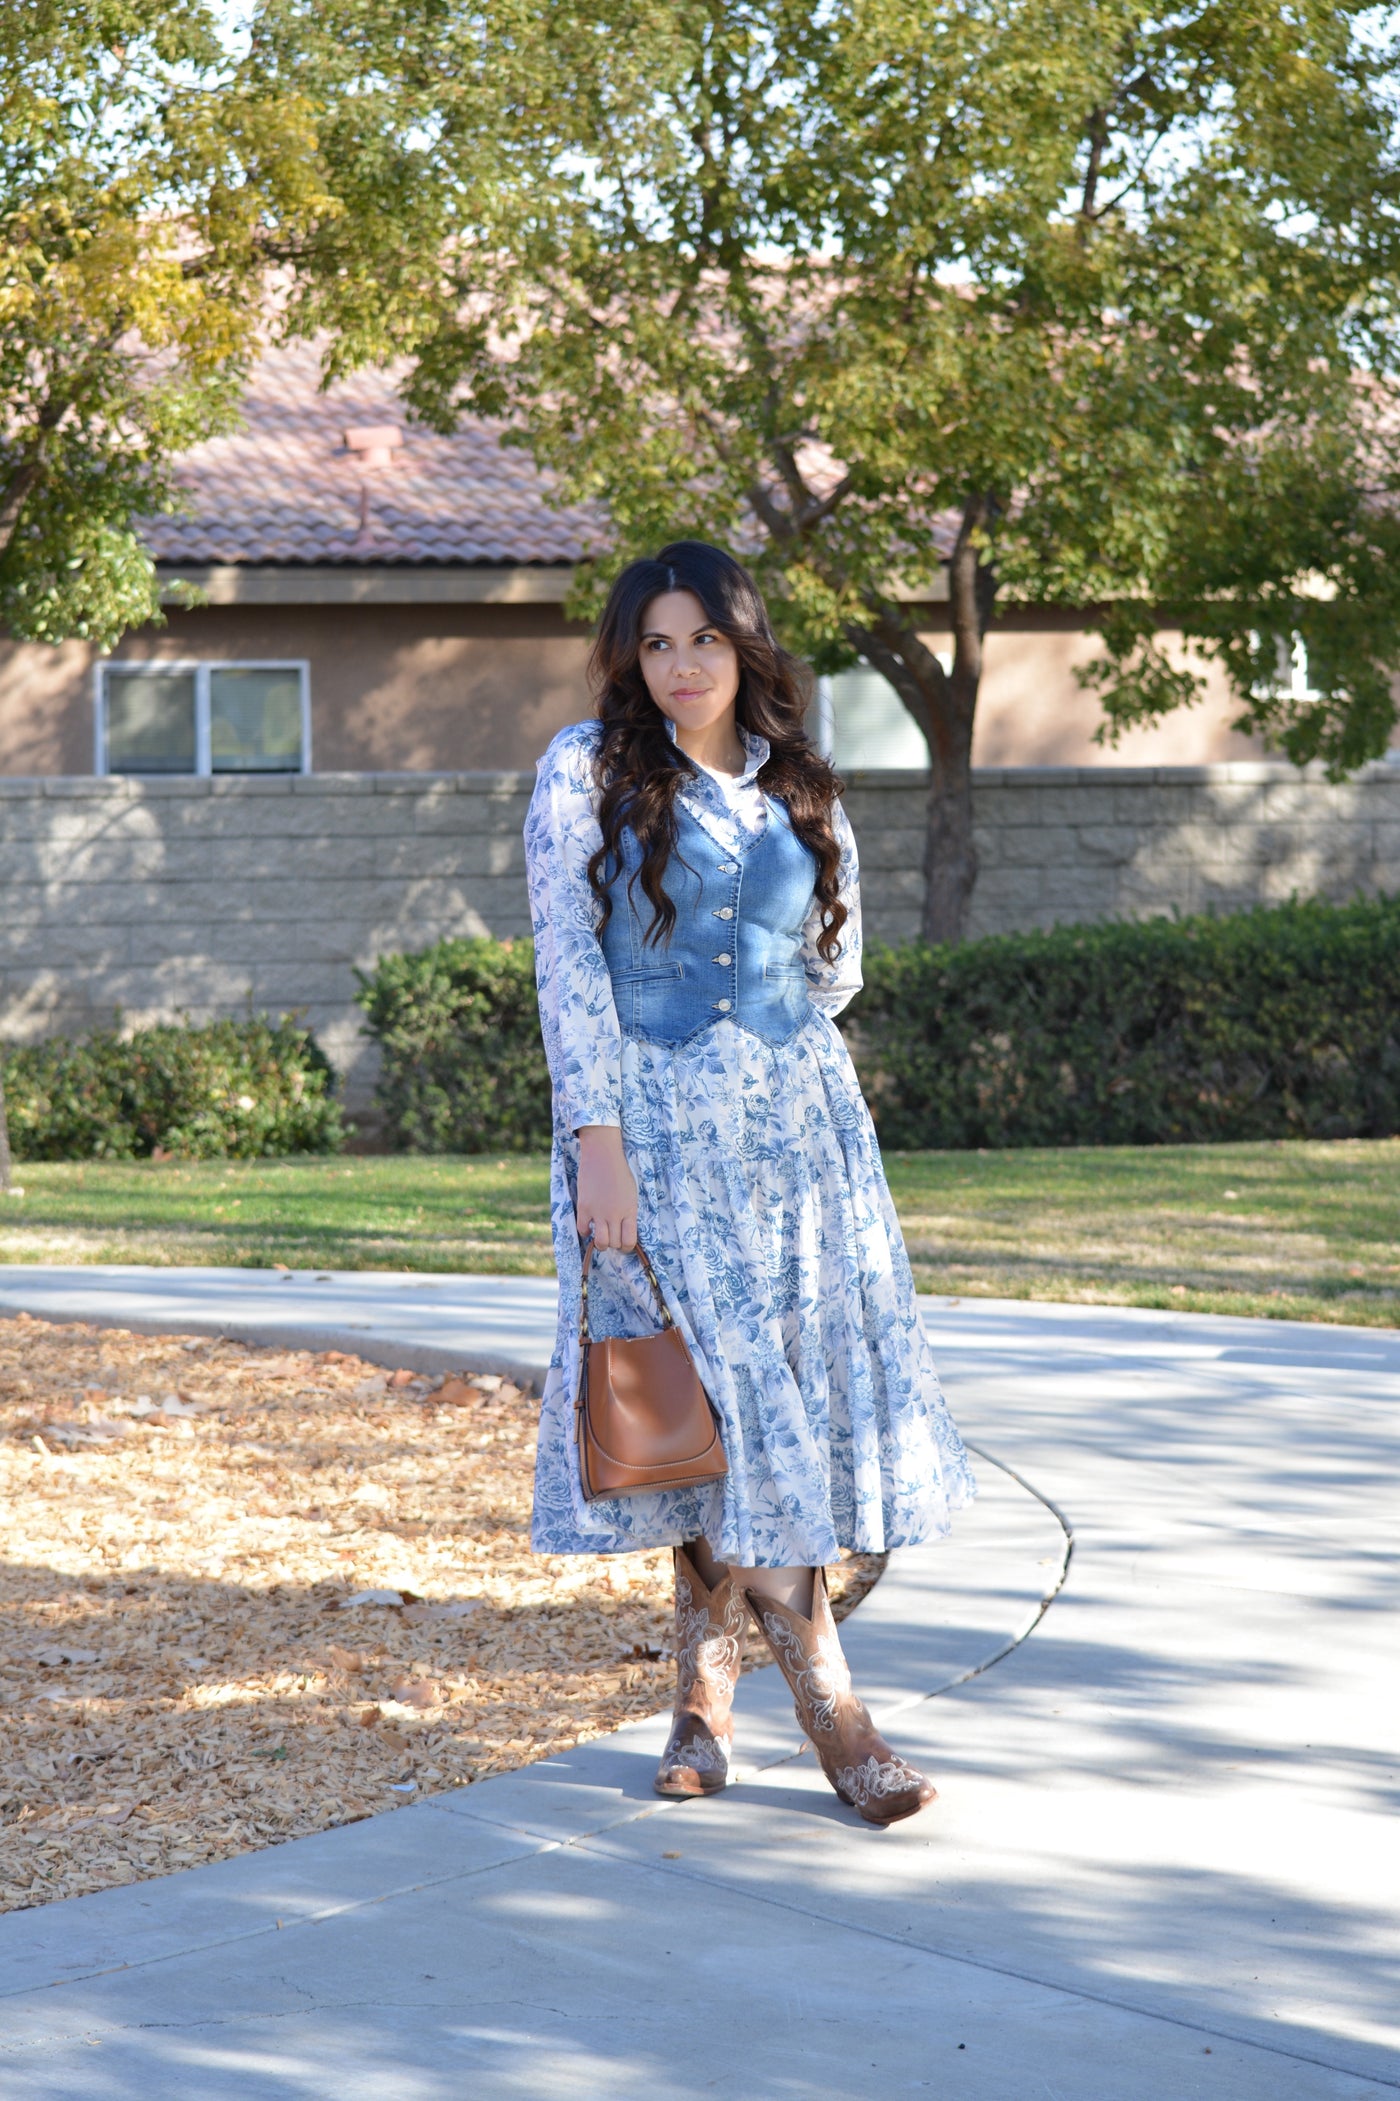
(763, 1206)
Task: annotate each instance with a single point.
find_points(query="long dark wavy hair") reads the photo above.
(640, 770)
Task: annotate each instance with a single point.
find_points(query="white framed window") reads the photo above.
(862, 722)
(235, 716)
(1292, 681)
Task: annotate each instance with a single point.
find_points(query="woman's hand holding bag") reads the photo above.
(607, 1188)
(642, 1419)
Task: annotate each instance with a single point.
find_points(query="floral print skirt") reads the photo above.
(764, 1209)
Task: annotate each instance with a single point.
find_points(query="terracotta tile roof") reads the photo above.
(285, 488)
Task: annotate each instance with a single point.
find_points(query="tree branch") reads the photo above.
(894, 648)
(785, 460)
(971, 591)
(776, 521)
(16, 494)
(820, 507)
(1098, 141)
(29, 471)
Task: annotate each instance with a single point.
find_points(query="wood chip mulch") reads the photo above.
(251, 1594)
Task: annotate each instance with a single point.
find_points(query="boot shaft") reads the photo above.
(855, 1757)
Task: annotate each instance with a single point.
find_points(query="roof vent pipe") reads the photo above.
(374, 444)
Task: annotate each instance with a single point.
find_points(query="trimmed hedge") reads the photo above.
(206, 1091)
(1278, 1023)
(1282, 1022)
(458, 1029)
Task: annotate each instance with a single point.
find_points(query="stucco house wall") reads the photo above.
(442, 686)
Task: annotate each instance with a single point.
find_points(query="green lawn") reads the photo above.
(1297, 1230)
(1304, 1231)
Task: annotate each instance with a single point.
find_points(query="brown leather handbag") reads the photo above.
(642, 1420)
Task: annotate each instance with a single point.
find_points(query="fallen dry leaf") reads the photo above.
(350, 1659)
(116, 1815)
(457, 1393)
(169, 1404)
(416, 1692)
(99, 1431)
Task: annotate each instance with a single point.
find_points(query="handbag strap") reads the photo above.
(588, 1252)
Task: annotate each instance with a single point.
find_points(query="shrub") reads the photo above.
(1274, 1023)
(458, 1028)
(214, 1090)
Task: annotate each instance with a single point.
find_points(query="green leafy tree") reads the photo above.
(147, 181)
(1076, 301)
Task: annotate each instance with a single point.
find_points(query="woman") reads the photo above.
(696, 914)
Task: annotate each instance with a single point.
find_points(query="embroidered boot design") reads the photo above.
(857, 1761)
(709, 1639)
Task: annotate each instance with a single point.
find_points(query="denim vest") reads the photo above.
(736, 951)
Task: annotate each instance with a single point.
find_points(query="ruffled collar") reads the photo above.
(757, 752)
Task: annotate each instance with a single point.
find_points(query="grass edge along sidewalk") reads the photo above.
(1293, 1229)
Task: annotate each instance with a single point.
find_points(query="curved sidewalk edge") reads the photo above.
(1163, 1863)
(392, 1317)
(940, 1615)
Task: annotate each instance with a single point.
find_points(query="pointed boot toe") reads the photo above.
(694, 1762)
(869, 1777)
(884, 1790)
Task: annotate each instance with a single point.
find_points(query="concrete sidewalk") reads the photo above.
(428, 1323)
(1164, 1864)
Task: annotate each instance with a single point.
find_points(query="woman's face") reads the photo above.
(691, 669)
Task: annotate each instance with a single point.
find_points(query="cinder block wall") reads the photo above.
(1126, 842)
(208, 897)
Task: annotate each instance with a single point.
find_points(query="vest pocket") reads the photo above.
(642, 994)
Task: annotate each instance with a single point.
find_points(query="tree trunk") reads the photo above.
(950, 851)
(13, 498)
(944, 704)
(4, 1143)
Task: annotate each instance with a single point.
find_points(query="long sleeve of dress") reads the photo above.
(833, 985)
(578, 1019)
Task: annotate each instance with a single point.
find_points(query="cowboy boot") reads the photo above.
(857, 1761)
(710, 1628)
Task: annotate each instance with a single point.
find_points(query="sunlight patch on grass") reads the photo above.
(1300, 1230)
